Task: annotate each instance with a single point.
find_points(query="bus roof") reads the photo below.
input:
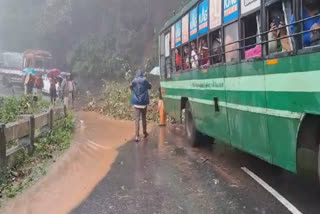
(40, 53)
(179, 14)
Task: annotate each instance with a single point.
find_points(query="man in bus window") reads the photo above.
(204, 53)
(277, 30)
(186, 56)
(194, 60)
(178, 60)
(231, 47)
(216, 50)
(310, 8)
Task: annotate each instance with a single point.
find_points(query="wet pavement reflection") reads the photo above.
(107, 172)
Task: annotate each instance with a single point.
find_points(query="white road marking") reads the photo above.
(277, 195)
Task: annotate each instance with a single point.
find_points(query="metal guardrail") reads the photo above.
(25, 132)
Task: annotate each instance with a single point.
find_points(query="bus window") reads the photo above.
(162, 56)
(231, 36)
(186, 58)
(38, 63)
(251, 26)
(277, 21)
(171, 63)
(310, 8)
(178, 60)
(216, 47)
(194, 58)
(203, 52)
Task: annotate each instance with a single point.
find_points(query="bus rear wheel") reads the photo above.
(308, 152)
(195, 138)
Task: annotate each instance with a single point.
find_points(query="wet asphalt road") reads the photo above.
(164, 175)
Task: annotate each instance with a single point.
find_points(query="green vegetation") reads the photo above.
(27, 170)
(12, 107)
(96, 57)
(115, 102)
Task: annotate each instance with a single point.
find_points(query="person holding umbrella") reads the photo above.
(53, 75)
(29, 80)
(53, 90)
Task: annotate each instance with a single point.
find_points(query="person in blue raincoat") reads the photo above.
(140, 100)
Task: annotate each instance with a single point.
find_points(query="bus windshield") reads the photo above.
(12, 60)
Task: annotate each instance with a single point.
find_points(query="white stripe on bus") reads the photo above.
(283, 82)
(252, 109)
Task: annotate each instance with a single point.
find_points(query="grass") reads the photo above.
(12, 107)
(27, 170)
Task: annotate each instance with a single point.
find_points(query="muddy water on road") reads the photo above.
(71, 180)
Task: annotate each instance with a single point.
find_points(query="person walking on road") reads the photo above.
(140, 101)
(53, 90)
(67, 91)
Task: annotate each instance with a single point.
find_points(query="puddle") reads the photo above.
(82, 167)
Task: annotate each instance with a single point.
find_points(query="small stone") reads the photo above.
(216, 181)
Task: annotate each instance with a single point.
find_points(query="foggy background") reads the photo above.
(89, 37)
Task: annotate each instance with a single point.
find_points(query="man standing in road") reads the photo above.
(140, 101)
(67, 88)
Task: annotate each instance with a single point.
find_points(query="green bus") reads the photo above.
(247, 72)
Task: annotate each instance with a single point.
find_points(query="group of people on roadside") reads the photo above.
(194, 59)
(64, 88)
(32, 81)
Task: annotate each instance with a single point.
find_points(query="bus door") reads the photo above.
(245, 96)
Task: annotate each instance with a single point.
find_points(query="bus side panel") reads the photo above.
(172, 107)
(209, 120)
(282, 128)
(282, 133)
(245, 99)
(249, 133)
(211, 123)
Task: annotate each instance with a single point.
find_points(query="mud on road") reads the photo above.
(105, 171)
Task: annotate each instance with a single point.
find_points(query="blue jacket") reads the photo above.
(140, 87)
(306, 26)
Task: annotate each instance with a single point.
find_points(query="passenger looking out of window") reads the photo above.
(178, 60)
(310, 8)
(216, 50)
(277, 31)
(186, 56)
(194, 60)
(204, 53)
(231, 47)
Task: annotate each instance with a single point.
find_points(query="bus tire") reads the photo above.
(308, 152)
(195, 138)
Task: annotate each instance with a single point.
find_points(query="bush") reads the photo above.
(116, 102)
(12, 107)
